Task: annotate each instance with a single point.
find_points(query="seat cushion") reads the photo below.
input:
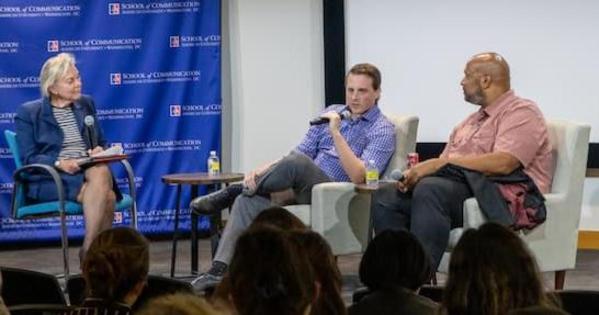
(300, 211)
(71, 208)
(48, 208)
(454, 237)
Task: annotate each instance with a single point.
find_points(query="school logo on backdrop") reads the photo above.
(175, 110)
(6, 188)
(5, 153)
(118, 112)
(114, 8)
(7, 117)
(209, 40)
(174, 42)
(9, 47)
(115, 79)
(19, 82)
(195, 110)
(123, 183)
(162, 146)
(154, 77)
(29, 11)
(156, 7)
(53, 46)
(94, 44)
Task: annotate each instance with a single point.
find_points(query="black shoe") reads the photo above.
(216, 201)
(211, 278)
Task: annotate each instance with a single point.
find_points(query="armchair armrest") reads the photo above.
(474, 217)
(17, 177)
(325, 196)
(341, 215)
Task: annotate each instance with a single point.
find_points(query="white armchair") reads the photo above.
(339, 214)
(553, 243)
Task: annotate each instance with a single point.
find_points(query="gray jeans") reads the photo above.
(429, 212)
(295, 171)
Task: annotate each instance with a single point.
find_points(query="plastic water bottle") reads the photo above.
(372, 173)
(213, 164)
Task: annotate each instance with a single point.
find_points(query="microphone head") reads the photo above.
(89, 120)
(345, 114)
(396, 174)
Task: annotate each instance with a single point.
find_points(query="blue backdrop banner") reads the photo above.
(153, 69)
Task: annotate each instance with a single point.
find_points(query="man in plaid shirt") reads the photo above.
(336, 151)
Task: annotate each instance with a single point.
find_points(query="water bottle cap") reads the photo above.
(212, 152)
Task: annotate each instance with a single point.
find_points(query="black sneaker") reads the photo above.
(211, 278)
(216, 201)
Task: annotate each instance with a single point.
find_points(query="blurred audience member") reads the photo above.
(179, 304)
(115, 270)
(278, 217)
(393, 268)
(328, 277)
(3, 310)
(538, 310)
(270, 274)
(492, 272)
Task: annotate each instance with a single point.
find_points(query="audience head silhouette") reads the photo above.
(278, 217)
(325, 268)
(178, 304)
(492, 272)
(270, 274)
(116, 265)
(395, 259)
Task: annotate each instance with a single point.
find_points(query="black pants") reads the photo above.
(429, 212)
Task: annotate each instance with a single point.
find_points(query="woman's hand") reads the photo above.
(70, 166)
(96, 150)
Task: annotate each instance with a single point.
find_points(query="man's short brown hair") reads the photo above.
(368, 70)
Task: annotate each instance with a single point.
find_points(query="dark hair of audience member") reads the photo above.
(278, 217)
(492, 272)
(269, 274)
(178, 304)
(395, 259)
(328, 276)
(117, 261)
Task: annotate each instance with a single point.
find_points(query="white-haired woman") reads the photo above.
(51, 130)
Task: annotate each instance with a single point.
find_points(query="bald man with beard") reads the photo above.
(506, 132)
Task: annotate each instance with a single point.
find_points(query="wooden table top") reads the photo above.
(201, 178)
(369, 189)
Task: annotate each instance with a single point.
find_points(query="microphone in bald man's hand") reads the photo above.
(91, 131)
(323, 120)
(397, 174)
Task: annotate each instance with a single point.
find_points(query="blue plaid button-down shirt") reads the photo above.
(370, 136)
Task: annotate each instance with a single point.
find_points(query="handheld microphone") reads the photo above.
(397, 174)
(322, 120)
(91, 132)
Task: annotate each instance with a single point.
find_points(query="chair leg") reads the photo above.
(560, 278)
(65, 247)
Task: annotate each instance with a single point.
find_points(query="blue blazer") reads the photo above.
(40, 140)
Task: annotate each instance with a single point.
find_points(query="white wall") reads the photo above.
(276, 77)
(422, 46)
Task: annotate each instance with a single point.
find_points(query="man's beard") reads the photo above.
(477, 98)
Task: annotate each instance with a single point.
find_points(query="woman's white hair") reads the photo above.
(53, 69)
